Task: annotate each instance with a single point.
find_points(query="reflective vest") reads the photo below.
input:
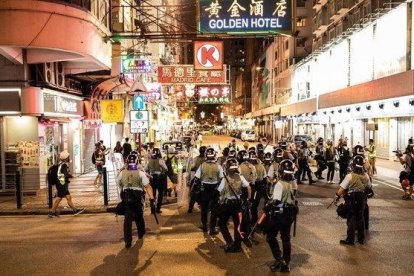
(372, 153)
(287, 194)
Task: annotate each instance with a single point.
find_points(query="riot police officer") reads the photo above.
(303, 163)
(230, 190)
(133, 183)
(210, 174)
(344, 159)
(259, 187)
(280, 213)
(273, 171)
(232, 153)
(157, 169)
(353, 189)
(222, 159)
(195, 185)
(319, 157)
(267, 160)
(260, 151)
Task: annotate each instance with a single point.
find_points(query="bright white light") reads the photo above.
(362, 60)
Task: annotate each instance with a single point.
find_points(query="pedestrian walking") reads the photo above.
(407, 175)
(126, 149)
(61, 182)
(353, 189)
(303, 163)
(118, 147)
(98, 159)
(320, 159)
(280, 213)
(230, 190)
(344, 160)
(133, 183)
(372, 155)
(330, 157)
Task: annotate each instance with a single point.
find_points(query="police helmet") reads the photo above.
(242, 156)
(132, 162)
(210, 154)
(287, 170)
(156, 153)
(283, 145)
(252, 155)
(260, 147)
(358, 150)
(202, 150)
(278, 154)
(304, 144)
(226, 151)
(267, 157)
(252, 149)
(232, 153)
(358, 164)
(232, 165)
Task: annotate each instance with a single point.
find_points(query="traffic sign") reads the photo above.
(139, 102)
(139, 115)
(139, 126)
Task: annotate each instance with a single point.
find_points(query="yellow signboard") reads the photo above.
(112, 111)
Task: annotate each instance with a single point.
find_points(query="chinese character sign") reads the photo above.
(185, 74)
(247, 16)
(112, 111)
(214, 94)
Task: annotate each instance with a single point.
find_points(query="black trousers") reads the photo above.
(258, 192)
(321, 167)
(133, 213)
(304, 168)
(355, 221)
(280, 223)
(230, 211)
(343, 170)
(208, 202)
(331, 171)
(366, 216)
(158, 185)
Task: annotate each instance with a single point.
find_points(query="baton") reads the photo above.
(259, 221)
(294, 222)
(156, 219)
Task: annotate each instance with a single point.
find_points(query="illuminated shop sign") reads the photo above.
(245, 16)
(59, 104)
(132, 65)
(214, 94)
(184, 74)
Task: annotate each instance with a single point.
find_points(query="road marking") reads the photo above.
(311, 203)
(166, 228)
(389, 185)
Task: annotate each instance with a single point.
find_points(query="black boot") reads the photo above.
(285, 267)
(276, 265)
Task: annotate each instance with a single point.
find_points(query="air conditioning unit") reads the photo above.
(45, 73)
(60, 74)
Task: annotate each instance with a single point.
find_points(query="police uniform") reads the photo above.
(344, 159)
(210, 174)
(248, 171)
(281, 216)
(355, 186)
(194, 187)
(133, 183)
(259, 189)
(157, 168)
(230, 200)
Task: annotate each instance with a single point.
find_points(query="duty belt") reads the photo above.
(132, 188)
(156, 172)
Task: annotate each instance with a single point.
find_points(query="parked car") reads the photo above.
(248, 135)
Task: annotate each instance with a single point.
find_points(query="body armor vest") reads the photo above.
(209, 172)
(260, 171)
(358, 183)
(248, 171)
(154, 165)
(236, 184)
(287, 194)
(131, 179)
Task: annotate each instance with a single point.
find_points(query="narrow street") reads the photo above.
(92, 244)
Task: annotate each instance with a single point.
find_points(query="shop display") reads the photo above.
(12, 162)
(29, 153)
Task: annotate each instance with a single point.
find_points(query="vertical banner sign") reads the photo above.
(246, 16)
(112, 111)
(208, 55)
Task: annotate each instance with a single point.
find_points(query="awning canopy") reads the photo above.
(306, 106)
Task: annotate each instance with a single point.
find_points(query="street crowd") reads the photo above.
(240, 181)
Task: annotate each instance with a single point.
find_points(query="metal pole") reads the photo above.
(105, 185)
(49, 195)
(18, 191)
(139, 144)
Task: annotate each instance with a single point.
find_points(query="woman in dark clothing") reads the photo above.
(118, 147)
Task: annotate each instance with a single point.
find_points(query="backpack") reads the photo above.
(52, 175)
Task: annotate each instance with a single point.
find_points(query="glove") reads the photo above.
(152, 205)
(336, 198)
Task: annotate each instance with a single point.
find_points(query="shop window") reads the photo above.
(286, 44)
(276, 55)
(301, 22)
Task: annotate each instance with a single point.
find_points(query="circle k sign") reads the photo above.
(208, 55)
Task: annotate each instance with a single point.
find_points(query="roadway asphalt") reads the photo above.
(91, 244)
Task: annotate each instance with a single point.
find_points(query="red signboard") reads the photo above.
(208, 55)
(214, 94)
(183, 74)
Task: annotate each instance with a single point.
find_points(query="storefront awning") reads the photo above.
(110, 85)
(306, 106)
(271, 110)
